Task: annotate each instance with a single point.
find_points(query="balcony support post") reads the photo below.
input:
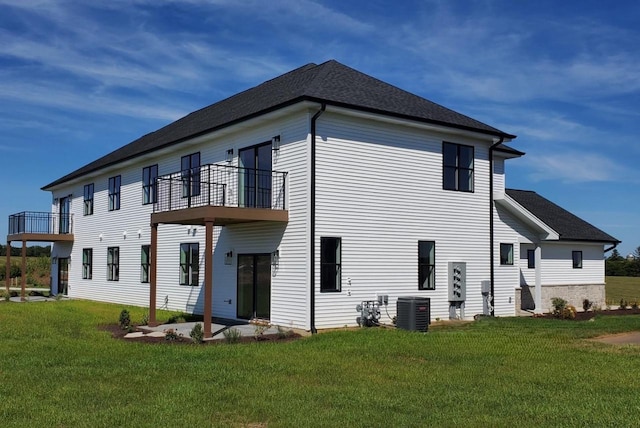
(24, 272)
(8, 267)
(208, 276)
(153, 275)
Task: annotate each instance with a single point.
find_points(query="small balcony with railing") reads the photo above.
(40, 226)
(224, 193)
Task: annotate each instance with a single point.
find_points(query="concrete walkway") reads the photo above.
(217, 329)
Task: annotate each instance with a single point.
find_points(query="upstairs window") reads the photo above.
(330, 264)
(87, 263)
(506, 254)
(190, 166)
(457, 167)
(149, 187)
(114, 193)
(577, 259)
(426, 265)
(189, 267)
(113, 263)
(88, 199)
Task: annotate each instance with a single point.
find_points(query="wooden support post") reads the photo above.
(23, 290)
(208, 277)
(8, 267)
(153, 266)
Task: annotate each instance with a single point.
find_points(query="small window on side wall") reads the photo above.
(426, 265)
(577, 259)
(531, 259)
(506, 254)
(330, 264)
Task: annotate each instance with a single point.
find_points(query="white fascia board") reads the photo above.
(521, 213)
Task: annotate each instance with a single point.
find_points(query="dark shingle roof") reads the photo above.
(330, 82)
(569, 226)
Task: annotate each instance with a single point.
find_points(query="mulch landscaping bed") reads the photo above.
(118, 333)
(585, 316)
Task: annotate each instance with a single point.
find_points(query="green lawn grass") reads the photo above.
(59, 369)
(623, 287)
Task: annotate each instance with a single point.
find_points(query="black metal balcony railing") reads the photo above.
(220, 185)
(40, 223)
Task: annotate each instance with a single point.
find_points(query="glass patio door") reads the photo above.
(64, 221)
(63, 276)
(254, 180)
(254, 286)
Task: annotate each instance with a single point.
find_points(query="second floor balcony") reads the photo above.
(40, 226)
(227, 193)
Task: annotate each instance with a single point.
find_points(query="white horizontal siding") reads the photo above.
(288, 283)
(379, 188)
(557, 264)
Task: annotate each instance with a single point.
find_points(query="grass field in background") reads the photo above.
(59, 369)
(622, 287)
(38, 270)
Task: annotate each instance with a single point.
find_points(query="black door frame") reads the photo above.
(255, 285)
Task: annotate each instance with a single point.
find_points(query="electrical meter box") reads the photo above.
(457, 281)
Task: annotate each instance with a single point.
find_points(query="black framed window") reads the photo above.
(145, 262)
(189, 264)
(330, 264)
(457, 167)
(577, 259)
(114, 193)
(426, 265)
(149, 187)
(190, 167)
(88, 199)
(531, 259)
(506, 254)
(113, 263)
(87, 263)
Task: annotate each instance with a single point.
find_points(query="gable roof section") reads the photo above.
(331, 82)
(569, 226)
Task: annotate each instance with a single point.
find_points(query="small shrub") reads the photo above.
(4, 295)
(596, 308)
(623, 304)
(176, 319)
(559, 304)
(587, 304)
(569, 312)
(197, 333)
(171, 335)
(634, 304)
(125, 319)
(232, 335)
(145, 319)
(283, 333)
(258, 331)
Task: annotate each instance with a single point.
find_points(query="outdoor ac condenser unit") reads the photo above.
(413, 313)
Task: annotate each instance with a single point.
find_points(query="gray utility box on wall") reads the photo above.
(413, 313)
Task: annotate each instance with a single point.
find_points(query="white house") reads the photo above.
(304, 196)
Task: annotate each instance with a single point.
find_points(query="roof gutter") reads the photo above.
(606, 250)
(312, 245)
(492, 267)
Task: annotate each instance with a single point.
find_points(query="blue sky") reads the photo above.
(79, 79)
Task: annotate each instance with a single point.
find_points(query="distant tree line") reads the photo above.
(616, 265)
(33, 251)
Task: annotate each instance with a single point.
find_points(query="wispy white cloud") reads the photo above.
(570, 166)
